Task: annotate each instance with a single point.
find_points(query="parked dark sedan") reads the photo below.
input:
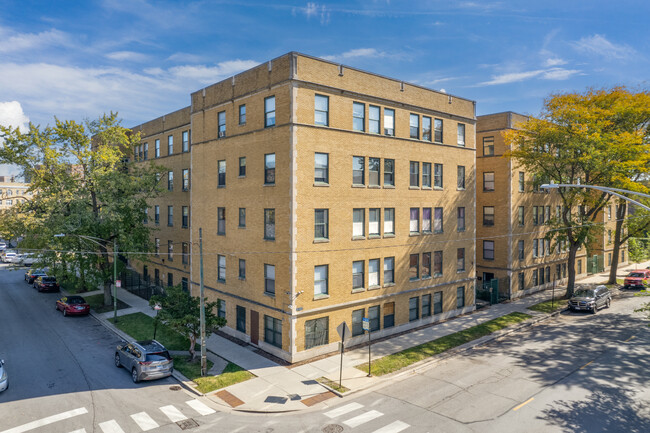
(33, 274)
(75, 305)
(590, 299)
(46, 284)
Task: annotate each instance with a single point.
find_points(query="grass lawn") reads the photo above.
(140, 327)
(231, 375)
(546, 307)
(96, 303)
(332, 384)
(399, 360)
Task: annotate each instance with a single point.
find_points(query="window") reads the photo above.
(269, 279)
(460, 297)
(221, 220)
(373, 171)
(488, 146)
(522, 183)
(170, 279)
(269, 224)
(170, 250)
(535, 247)
(414, 225)
(144, 221)
(321, 168)
(426, 220)
(157, 214)
(520, 249)
(437, 220)
(541, 276)
(316, 332)
(414, 174)
(488, 250)
(520, 215)
(547, 213)
(358, 116)
(373, 119)
(186, 179)
(269, 111)
(321, 110)
(242, 217)
(140, 153)
(242, 269)
(170, 145)
(488, 215)
(146, 151)
(358, 170)
(579, 266)
(460, 220)
(426, 174)
(269, 169)
(170, 216)
(488, 181)
(242, 166)
(547, 244)
(521, 281)
(170, 181)
(414, 309)
(157, 148)
(389, 270)
(437, 263)
(242, 114)
(221, 268)
(460, 260)
(414, 267)
(414, 126)
(389, 172)
(185, 217)
(357, 275)
(535, 282)
(535, 216)
(389, 221)
(221, 180)
(185, 285)
(241, 319)
(461, 178)
(357, 322)
(437, 303)
(320, 280)
(373, 273)
(185, 253)
(461, 135)
(389, 315)
(157, 246)
(221, 120)
(548, 271)
(373, 315)
(373, 221)
(185, 138)
(358, 223)
(389, 122)
(221, 308)
(609, 212)
(437, 175)
(321, 224)
(273, 331)
(426, 128)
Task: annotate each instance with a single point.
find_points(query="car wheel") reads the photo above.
(595, 310)
(609, 302)
(65, 312)
(134, 376)
(118, 364)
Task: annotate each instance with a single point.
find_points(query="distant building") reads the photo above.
(12, 193)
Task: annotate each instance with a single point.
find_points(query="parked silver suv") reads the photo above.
(590, 299)
(146, 360)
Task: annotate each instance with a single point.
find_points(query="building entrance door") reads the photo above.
(255, 327)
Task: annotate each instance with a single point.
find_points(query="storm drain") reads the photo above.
(333, 428)
(175, 387)
(187, 424)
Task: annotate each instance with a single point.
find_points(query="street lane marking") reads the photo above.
(48, 420)
(81, 430)
(362, 419)
(629, 339)
(523, 404)
(343, 410)
(144, 421)
(200, 407)
(111, 427)
(172, 413)
(394, 427)
(586, 365)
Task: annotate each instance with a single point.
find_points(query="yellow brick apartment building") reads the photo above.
(12, 193)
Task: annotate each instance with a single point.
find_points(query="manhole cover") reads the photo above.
(187, 424)
(175, 387)
(333, 428)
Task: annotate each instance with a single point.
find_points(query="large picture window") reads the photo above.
(316, 332)
(273, 331)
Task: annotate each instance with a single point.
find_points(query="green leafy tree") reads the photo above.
(82, 184)
(598, 137)
(181, 311)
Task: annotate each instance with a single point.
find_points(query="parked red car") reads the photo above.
(73, 305)
(639, 278)
(46, 284)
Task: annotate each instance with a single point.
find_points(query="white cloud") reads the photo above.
(11, 42)
(555, 61)
(545, 74)
(211, 74)
(600, 46)
(127, 56)
(314, 10)
(12, 115)
(355, 54)
(559, 74)
(185, 58)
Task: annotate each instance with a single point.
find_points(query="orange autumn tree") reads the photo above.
(598, 137)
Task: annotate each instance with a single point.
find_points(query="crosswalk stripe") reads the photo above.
(394, 427)
(343, 410)
(81, 430)
(362, 419)
(48, 420)
(111, 427)
(144, 421)
(200, 407)
(172, 413)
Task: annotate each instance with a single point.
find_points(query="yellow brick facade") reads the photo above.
(12, 193)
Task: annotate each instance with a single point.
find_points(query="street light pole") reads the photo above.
(114, 280)
(608, 190)
(204, 363)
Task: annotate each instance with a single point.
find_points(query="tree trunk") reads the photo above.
(192, 344)
(620, 215)
(571, 264)
(108, 293)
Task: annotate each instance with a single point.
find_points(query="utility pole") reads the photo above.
(114, 280)
(204, 363)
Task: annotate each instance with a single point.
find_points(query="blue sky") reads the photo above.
(78, 59)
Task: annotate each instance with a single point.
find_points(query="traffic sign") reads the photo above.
(118, 283)
(365, 324)
(343, 330)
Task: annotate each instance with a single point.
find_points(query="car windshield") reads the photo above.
(636, 275)
(76, 300)
(159, 356)
(49, 279)
(584, 293)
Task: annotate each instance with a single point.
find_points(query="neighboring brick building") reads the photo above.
(12, 193)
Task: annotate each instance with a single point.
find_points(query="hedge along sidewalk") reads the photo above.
(399, 360)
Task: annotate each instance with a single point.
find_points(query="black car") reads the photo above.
(46, 284)
(590, 299)
(33, 274)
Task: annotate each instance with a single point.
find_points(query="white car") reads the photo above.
(4, 380)
(17, 258)
(29, 259)
(8, 256)
(3, 245)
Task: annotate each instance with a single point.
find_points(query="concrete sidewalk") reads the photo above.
(277, 388)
